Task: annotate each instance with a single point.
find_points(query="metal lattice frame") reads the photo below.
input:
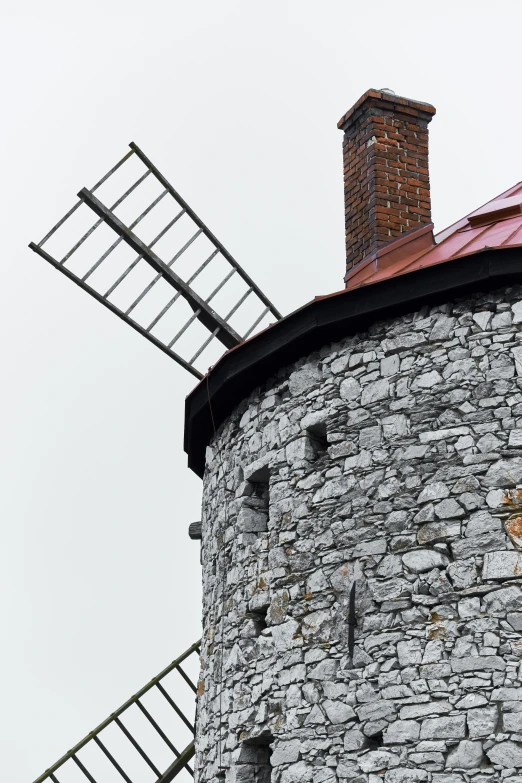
(217, 326)
(119, 759)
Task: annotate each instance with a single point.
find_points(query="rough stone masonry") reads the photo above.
(391, 459)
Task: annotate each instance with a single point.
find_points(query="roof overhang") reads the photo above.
(328, 319)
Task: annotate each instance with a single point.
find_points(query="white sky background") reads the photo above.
(237, 103)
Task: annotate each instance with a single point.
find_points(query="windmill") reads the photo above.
(154, 263)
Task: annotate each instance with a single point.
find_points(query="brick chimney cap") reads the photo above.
(383, 99)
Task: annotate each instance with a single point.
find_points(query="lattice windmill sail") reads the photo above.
(153, 262)
(164, 273)
(135, 743)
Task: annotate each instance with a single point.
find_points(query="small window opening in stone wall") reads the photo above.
(253, 761)
(256, 622)
(376, 740)
(253, 517)
(318, 438)
(308, 446)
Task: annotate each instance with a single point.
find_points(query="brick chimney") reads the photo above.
(386, 179)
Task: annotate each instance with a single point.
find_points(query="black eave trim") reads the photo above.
(328, 320)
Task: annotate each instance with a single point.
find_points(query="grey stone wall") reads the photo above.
(391, 458)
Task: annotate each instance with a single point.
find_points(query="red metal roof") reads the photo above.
(495, 225)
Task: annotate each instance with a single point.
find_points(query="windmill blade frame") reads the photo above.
(229, 278)
(99, 745)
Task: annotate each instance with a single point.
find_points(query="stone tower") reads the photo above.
(361, 529)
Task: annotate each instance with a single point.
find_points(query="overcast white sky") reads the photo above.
(237, 102)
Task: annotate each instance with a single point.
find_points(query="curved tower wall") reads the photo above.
(389, 459)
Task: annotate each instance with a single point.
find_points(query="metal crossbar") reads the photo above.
(97, 746)
(211, 273)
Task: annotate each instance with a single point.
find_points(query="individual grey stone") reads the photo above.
(463, 573)
(334, 488)
(420, 560)
(391, 565)
(449, 509)
(354, 740)
(428, 760)
(451, 727)
(482, 721)
(383, 708)
(502, 565)
(375, 391)
(252, 520)
(504, 473)
(427, 380)
(435, 491)
(517, 312)
(479, 663)
(297, 773)
(497, 498)
(395, 425)
(370, 437)
(402, 731)
(442, 434)
(512, 722)
(311, 693)
(337, 711)
(507, 694)
(323, 775)
(515, 438)
(435, 671)
(388, 589)
(426, 514)
(515, 620)
(434, 532)
(315, 717)
(517, 356)
(469, 607)
(489, 443)
(482, 522)
(423, 710)
(344, 576)
(304, 379)
(467, 755)
(415, 452)
(376, 546)
(470, 500)
(283, 635)
(348, 768)
(390, 365)
(478, 545)
(314, 622)
(378, 759)
(350, 389)
(470, 701)
(410, 652)
(286, 752)
(405, 775)
(406, 340)
(325, 670)
(482, 319)
(300, 449)
(505, 754)
(442, 329)
(508, 599)
(315, 419)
